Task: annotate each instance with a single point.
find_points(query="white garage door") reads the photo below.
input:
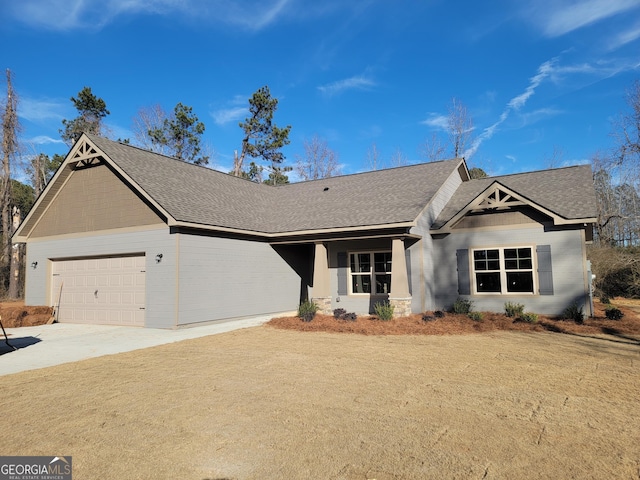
(106, 291)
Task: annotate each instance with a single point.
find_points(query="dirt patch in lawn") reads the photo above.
(271, 403)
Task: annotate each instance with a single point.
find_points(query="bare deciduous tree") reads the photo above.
(373, 157)
(433, 149)
(459, 129)
(9, 149)
(149, 119)
(554, 159)
(319, 161)
(460, 126)
(398, 158)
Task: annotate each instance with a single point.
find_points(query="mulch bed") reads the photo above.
(452, 324)
(15, 314)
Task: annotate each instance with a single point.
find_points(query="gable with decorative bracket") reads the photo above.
(86, 155)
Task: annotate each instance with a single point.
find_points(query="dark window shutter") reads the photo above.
(545, 275)
(407, 255)
(342, 273)
(464, 279)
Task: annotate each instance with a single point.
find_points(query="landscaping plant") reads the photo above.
(462, 306)
(513, 309)
(573, 312)
(307, 310)
(384, 310)
(613, 313)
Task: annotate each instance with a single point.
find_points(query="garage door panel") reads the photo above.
(101, 291)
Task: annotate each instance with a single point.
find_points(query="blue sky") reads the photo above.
(537, 77)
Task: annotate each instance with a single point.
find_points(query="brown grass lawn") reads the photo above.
(270, 403)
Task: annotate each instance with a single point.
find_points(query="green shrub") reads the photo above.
(573, 312)
(529, 317)
(439, 314)
(384, 310)
(513, 309)
(604, 299)
(477, 316)
(307, 310)
(427, 318)
(613, 313)
(462, 306)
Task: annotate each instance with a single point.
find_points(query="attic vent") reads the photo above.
(325, 189)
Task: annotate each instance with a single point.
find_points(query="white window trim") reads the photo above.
(372, 273)
(503, 271)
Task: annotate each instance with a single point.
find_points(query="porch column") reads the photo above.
(321, 283)
(399, 296)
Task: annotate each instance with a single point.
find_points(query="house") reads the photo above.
(124, 236)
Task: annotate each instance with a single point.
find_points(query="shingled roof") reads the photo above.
(200, 196)
(566, 192)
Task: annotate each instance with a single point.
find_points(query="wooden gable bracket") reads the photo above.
(86, 155)
(494, 199)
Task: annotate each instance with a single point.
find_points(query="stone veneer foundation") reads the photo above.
(401, 306)
(324, 305)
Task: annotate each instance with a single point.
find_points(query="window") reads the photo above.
(503, 270)
(370, 272)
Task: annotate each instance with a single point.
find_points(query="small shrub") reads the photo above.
(307, 310)
(427, 318)
(338, 312)
(613, 313)
(529, 317)
(384, 310)
(604, 299)
(462, 306)
(439, 314)
(476, 316)
(513, 309)
(573, 312)
(350, 317)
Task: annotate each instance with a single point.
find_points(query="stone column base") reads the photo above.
(324, 305)
(401, 306)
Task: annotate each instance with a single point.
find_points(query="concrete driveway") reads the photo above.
(47, 345)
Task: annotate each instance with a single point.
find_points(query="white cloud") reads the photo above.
(516, 103)
(358, 82)
(95, 14)
(437, 121)
(625, 37)
(35, 110)
(43, 140)
(563, 16)
(226, 115)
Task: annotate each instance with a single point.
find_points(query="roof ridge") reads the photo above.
(372, 172)
(582, 165)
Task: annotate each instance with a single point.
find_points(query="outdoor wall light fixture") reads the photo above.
(158, 258)
(34, 265)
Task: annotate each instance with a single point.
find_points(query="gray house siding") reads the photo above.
(160, 277)
(222, 278)
(564, 283)
(424, 263)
